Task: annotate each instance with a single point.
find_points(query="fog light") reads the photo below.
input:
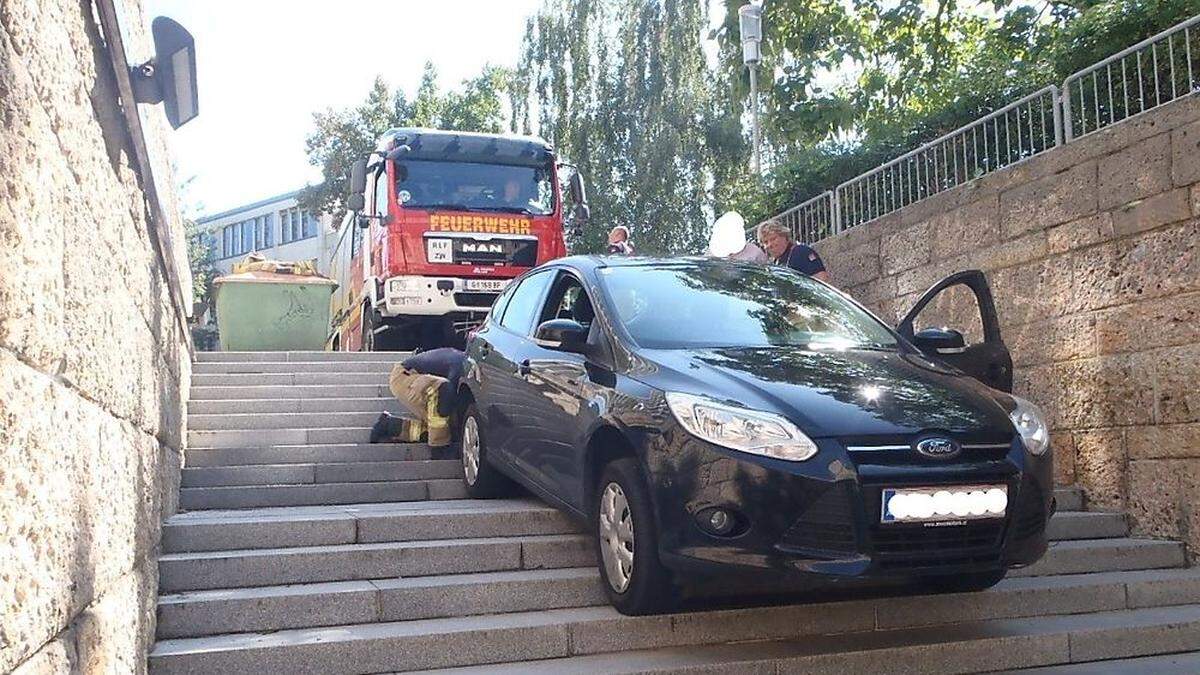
(717, 521)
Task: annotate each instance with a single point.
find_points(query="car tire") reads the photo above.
(962, 583)
(481, 479)
(367, 343)
(624, 521)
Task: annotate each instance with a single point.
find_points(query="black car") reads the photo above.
(703, 416)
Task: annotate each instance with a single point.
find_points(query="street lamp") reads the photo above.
(750, 20)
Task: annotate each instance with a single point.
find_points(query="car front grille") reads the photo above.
(826, 525)
(915, 545)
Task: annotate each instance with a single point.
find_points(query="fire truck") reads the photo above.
(438, 223)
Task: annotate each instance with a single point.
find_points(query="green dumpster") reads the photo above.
(267, 311)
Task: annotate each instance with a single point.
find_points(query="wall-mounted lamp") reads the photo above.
(170, 77)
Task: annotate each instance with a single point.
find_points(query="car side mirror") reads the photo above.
(356, 186)
(564, 335)
(940, 341)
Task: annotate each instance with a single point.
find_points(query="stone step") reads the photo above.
(407, 521)
(288, 379)
(341, 562)
(257, 438)
(592, 640)
(1187, 663)
(1069, 498)
(274, 608)
(259, 421)
(271, 567)
(291, 405)
(1105, 555)
(267, 392)
(227, 357)
(313, 454)
(361, 523)
(271, 608)
(252, 367)
(251, 496)
(1079, 524)
(299, 474)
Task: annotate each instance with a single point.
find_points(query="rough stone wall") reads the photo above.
(1091, 252)
(91, 356)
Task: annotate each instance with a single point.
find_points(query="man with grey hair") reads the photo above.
(777, 241)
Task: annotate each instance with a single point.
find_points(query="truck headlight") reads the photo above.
(1031, 426)
(750, 431)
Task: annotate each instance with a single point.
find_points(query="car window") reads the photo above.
(727, 305)
(501, 302)
(525, 302)
(568, 300)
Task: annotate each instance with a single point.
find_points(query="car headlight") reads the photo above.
(751, 431)
(1031, 425)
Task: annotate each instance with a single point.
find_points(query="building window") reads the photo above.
(296, 224)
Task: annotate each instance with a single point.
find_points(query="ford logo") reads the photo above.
(938, 447)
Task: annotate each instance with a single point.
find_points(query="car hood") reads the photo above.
(845, 393)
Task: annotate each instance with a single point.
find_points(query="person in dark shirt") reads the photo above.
(446, 362)
(777, 241)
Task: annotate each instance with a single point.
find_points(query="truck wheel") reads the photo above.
(635, 580)
(368, 330)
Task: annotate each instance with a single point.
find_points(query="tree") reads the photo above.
(202, 259)
(341, 137)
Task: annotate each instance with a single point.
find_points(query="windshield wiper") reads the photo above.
(450, 207)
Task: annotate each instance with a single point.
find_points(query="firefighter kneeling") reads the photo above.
(427, 387)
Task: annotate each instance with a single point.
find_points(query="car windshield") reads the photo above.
(470, 186)
(728, 305)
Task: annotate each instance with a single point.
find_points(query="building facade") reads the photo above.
(278, 228)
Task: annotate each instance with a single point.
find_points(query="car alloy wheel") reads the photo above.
(616, 537)
(470, 450)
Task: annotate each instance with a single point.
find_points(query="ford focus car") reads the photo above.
(704, 417)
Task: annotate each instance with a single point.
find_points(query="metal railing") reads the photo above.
(1013, 133)
(1155, 71)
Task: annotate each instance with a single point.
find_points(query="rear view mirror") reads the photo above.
(563, 335)
(356, 186)
(582, 211)
(940, 341)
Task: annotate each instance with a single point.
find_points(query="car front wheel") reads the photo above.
(482, 480)
(627, 544)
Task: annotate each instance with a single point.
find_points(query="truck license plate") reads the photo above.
(486, 285)
(439, 251)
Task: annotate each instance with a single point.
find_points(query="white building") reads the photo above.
(277, 228)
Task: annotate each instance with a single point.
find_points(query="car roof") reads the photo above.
(595, 262)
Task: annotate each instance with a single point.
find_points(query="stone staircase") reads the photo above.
(299, 548)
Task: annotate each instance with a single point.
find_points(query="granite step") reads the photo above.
(275, 406)
(302, 357)
(251, 496)
(597, 639)
(308, 564)
(337, 472)
(254, 438)
(271, 608)
(313, 454)
(288, 379)
(268, 391)
(253, 367)
(255, 421)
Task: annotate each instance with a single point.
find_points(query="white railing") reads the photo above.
(1155, 71)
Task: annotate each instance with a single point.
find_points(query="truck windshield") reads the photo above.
(471, 186)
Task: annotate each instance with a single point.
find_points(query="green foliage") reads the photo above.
(623, 90)
(340, 137)
(202, 258)
(858, 83)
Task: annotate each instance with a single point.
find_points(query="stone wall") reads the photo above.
(1090, 250)
(91, 355)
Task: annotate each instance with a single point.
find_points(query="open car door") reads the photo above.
(988, 361)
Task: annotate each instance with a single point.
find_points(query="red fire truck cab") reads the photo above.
(439, 222)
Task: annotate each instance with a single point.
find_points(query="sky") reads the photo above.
(265, 66)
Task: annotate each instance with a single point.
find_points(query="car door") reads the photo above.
(986, 359)
(554, 381)
(510, 406)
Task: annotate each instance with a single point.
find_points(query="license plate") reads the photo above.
(943, 504)
(486, 285)
(439, 250)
